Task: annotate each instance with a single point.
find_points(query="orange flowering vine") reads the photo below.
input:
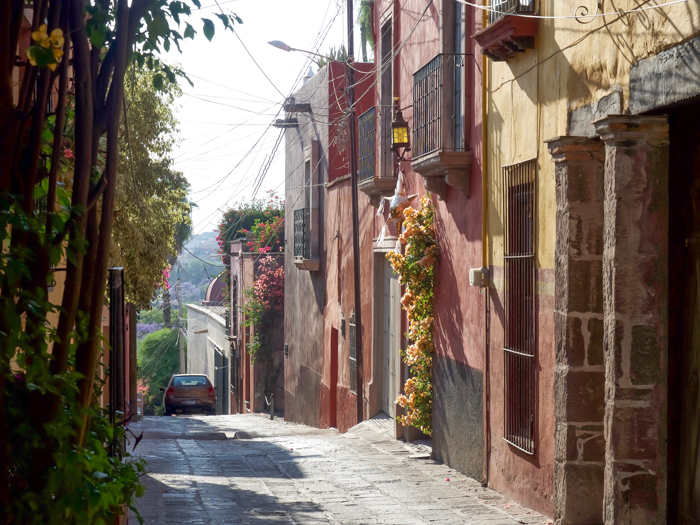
(416, 269)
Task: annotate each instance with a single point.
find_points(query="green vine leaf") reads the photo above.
(208, 28)
(189, 31)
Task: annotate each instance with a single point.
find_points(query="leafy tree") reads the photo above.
(335, 55)
(61, 123)
(364, 20)
(183, 231)
(152, 316)
(158, 359)
(151, 205)
(260, 221)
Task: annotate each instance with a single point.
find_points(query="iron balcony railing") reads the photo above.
(501, 8)
(430, 132)
(302, 237)
(366, 153)
(370, 148)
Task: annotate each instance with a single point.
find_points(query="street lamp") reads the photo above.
(284, 47)
(350, 94)
(399, 132)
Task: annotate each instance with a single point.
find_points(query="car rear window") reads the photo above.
(190, 381)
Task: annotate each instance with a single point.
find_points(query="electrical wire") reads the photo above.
(319, 36)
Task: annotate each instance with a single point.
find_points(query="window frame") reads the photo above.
(519, 341)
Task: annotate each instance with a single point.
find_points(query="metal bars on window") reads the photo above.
(41, 205)
(501, 8)
(353, 355)
(519, 348)
(302, 238)
(365, 161)
(428, 105)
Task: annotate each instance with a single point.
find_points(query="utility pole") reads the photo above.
(355, 218)
(179, 325)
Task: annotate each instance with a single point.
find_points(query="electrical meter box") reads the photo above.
(479, 277)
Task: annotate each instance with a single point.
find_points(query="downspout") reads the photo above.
(484, 260)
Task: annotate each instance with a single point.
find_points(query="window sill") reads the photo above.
(311, 265)
(445, 168)
(506, 36)
(376, 188)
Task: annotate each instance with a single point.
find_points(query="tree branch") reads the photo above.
(87, 357)
(97, 192)
(81, 176)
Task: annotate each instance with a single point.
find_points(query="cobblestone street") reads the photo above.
(248, 469)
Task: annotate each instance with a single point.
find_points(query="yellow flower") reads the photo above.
(57, 37)
(40, 35)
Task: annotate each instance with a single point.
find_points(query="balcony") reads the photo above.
(373, 184)
(440, 153)
(507, 35)
(303, 240)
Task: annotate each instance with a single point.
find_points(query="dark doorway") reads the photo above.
(333, 386)
(684, 316)
(219, 382)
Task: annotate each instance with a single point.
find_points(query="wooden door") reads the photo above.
(391, 343)
(684, 213)
(689, 464)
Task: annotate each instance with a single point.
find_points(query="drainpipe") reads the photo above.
(484, 261)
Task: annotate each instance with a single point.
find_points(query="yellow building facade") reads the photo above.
(589, 216)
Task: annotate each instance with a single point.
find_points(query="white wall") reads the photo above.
(205, 331)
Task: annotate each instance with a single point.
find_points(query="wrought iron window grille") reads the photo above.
(519, 339)
(429, 106)
(501, 8)
(367, 145)
(41, 205)
(302, 237)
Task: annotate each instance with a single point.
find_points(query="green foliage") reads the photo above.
(260, 221)
(163, 22)
(364, 20)
(86, 484)
(240, 220)
(335, 55)
(151, 207)
(154, 315)
(264, 312)
(55, 465)
(158, 358)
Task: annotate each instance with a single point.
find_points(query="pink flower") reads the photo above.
(68, 153)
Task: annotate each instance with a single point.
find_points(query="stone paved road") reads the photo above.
(276, 472)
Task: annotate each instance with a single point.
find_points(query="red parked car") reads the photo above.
(189, 393)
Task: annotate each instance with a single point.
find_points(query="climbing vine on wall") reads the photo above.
(416, 268)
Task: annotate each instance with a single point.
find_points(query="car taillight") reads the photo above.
(211, 390)
(170, 391)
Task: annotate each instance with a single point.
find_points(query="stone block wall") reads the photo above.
(635, 284)
(579, 377)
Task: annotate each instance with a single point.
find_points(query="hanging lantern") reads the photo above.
(399, 131)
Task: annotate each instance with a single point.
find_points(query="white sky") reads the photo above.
(216, 136)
